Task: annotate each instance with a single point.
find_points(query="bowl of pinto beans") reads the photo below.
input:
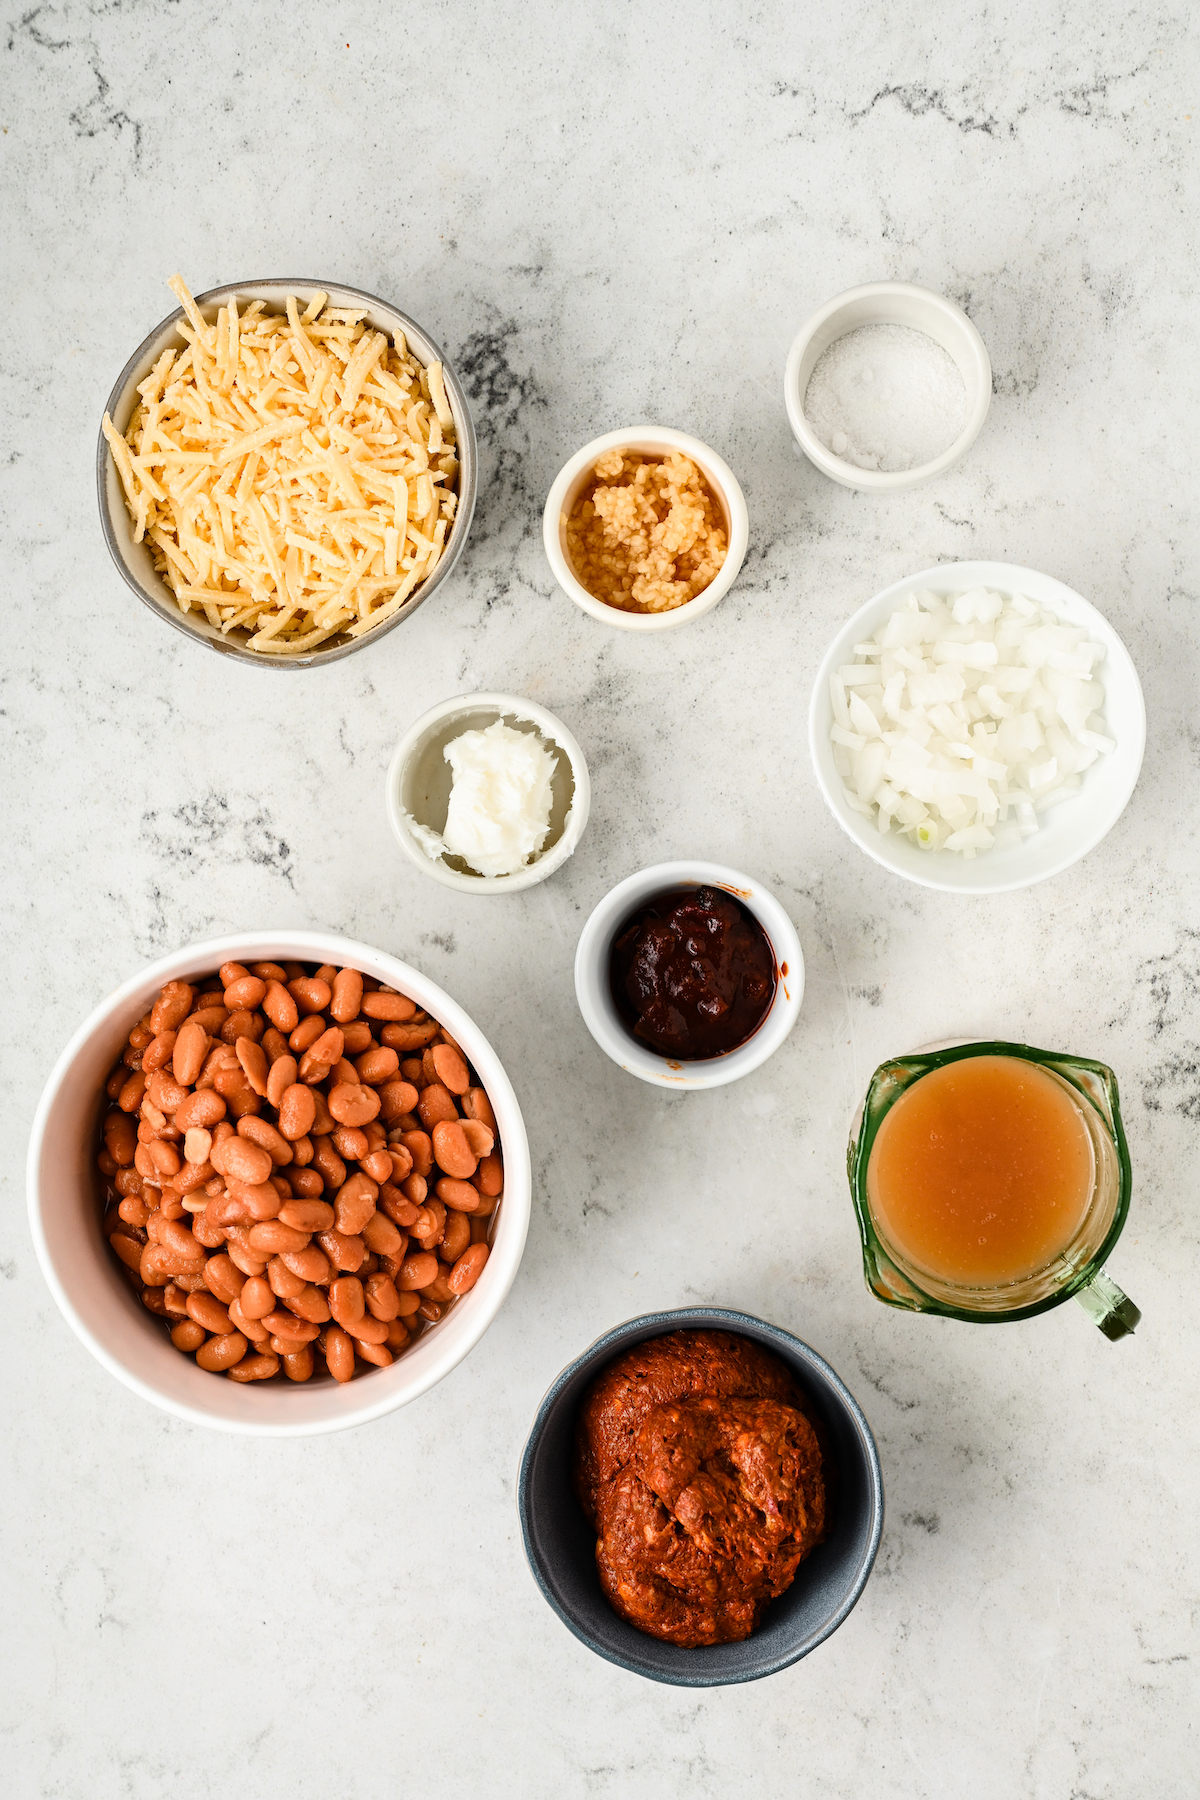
(279, 1183)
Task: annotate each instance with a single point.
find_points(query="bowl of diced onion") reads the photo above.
(286, 470)
(977, 727)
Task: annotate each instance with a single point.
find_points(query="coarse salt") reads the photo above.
(886, 397)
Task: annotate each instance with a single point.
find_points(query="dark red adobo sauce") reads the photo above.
(692, 973)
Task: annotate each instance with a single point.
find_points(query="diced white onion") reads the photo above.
(964, 717)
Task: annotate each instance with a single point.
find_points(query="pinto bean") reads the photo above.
(476, 1105)
(282, 1281)
(383, 1302)
(328, 1163)
(374, 1067)
(478, 1137)
(307, 1215)
(451, 1070)
(351, 1143)
(468, 1268)
(207, 1310)
(312, 1264)
(311, 996)
(344, 1253)
(417, 1271)
(191, 1048)
(238, 1159)
(280, 1007)
(130, 1096)
(346, 1002)
(397, 1098)
(489, 1176)
(357, 1037)
(270, 1237)
(393, 1007)
(282, 1075)
(256, 1298)
(380, 1235)
(420, 1147)
(172, 1007)
(159, 1052)
(355, 1204)
(205, 1108)
(298, 1364)
(310, 1303)
(258, 1366)
(456, 1237)
(339, 1354)
(223, 1278)
(260, 1132)
(353, 1105)
(407, 1038)
(452, 1150)
(297, 1111)
(306, 1033)
(460, 1195)
(255, 1066)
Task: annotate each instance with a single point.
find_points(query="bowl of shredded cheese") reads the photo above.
(286, 469)
(977, 727)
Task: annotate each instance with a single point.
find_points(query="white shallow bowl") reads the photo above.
(104, 1313)
(888, 303)
(134, 561)
(646, 440)
(1070, 829)
(419, 782)
(594, 994)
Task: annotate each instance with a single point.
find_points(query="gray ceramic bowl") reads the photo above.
(134, 561)
(560, 1543)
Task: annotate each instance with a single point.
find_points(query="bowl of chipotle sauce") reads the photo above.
(689, 974)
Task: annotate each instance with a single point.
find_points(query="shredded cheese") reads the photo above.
(293, 474)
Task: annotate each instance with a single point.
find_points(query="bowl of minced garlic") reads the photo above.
(646, 528)
(286, 470)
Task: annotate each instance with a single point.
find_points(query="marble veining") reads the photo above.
(609, 217)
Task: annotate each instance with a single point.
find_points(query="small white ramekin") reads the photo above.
(65, 1213)
(888, 303)
(594, 993)
(646, 440)
(419, 780)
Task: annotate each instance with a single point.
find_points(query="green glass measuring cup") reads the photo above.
(1077, 1271)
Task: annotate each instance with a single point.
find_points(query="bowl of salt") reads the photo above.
(887, 386)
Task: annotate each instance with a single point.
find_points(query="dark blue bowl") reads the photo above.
(560, 1544)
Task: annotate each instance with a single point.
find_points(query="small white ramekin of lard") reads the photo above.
(488, 793)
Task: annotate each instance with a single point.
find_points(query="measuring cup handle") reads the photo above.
(1107, 1307)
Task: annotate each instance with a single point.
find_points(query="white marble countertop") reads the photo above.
(605, 218)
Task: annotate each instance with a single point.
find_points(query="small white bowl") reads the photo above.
(888, 303)
(646, 440)
(419, 782)
(594, 993)
(65, 1214)
(1070, 829)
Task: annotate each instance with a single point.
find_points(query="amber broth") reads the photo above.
(982, 1171)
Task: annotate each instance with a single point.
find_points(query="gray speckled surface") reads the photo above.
(609, 218)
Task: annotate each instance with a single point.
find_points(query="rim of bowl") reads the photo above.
(591, 977)
(161, 602)
(1010, 577)
(648, 438)
(390, 1391)
(877, 480)
(607, 1346)
(505, 706)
